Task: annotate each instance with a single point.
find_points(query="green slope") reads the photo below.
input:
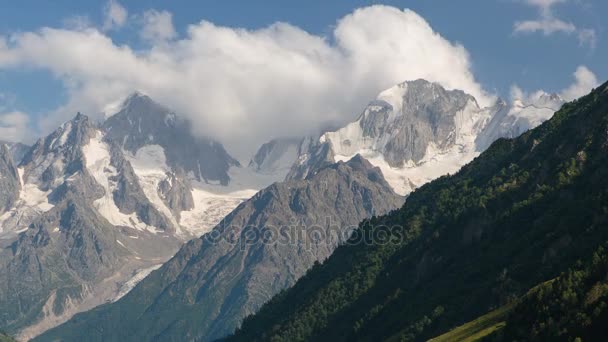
(570, 307)
(517, 216)
(478, 329)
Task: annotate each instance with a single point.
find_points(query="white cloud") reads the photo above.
(546, 26)
(585, 80)
(237, 84)
(115, 15)
(548, 23)
(13, 126)
(157, 26)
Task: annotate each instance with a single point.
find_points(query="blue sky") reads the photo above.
(499, 54)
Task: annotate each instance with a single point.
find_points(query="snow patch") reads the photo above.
(150, 167)
(138, 276)
(97, 156)
(394, 97)
(32, 202)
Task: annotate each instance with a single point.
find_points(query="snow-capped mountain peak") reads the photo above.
(143, 122)
(417, 131)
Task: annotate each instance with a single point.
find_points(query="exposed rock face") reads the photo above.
(17, 150)
(143, 122)
(407, 118)
(176, 192)
(313, 154)
(10, 184)
(262, 247)
(57, 155)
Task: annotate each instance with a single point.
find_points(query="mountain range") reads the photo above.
(93, 208)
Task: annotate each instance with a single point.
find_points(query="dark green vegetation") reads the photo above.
(519, 215)
(573, 306)
(570, 307)
(479, 328)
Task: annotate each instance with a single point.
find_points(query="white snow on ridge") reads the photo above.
(97, 155)
(137, 277)
(32, 202)
(406, 179)
(394, 97)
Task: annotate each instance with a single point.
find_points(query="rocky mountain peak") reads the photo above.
(58, 154)
(143, 122)
(418, 130)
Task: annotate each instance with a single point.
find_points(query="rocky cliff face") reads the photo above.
(10, 184)
(18, 150)
(262, 247)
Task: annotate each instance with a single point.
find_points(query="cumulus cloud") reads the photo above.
(584, 81)
(115, 15)
(13, 126)
(548, 23)
(157, 26)
(236, 84)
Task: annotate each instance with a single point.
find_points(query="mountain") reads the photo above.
(192, 180)
(261, 248)
(91, 209)
(142, 122)
(417, 131)
(520, 214)
(79, 229)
